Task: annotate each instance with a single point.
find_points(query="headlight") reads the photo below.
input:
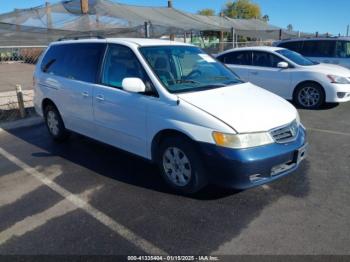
(338, 79)
(242, 140)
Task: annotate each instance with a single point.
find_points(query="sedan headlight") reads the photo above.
(338, 79)
(240, 141)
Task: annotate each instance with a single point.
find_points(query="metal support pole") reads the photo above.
(233, 32)
(84, 5)
(20, 100)
(221, 37)
(347, 30)
(48, 15)
(191, 37)
(185, 36)
(280, 35)
(147, 34)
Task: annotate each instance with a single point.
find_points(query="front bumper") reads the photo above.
(245, 168)
(337, 93)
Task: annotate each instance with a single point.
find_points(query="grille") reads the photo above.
(285, 133)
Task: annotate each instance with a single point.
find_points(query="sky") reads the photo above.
(310, 16)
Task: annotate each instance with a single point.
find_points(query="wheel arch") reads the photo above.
(163, 134)
(46, 102)
(306, 82)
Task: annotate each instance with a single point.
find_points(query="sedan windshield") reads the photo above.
(187, 68)
(296, 57)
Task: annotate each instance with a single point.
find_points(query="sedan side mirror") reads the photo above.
(283, 65)
(133, 85)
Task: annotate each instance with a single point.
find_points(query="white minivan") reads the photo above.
(170, 103)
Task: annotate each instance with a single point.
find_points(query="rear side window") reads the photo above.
(320, 48)
(236, 58)
(74, 61)
(294, 46)
(264, 59)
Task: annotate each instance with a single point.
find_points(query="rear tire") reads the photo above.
(181, 166)
(309, 96)
(54, 123)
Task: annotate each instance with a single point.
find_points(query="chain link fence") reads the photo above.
(20, 54)
(17, 65)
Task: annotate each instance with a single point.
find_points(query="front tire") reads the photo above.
(181, 166)
(54, 123)
(309, 96)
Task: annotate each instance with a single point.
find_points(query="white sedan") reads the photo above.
(290, 75)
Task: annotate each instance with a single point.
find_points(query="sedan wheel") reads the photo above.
(309, 95)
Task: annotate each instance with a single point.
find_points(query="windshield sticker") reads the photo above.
(207, 58)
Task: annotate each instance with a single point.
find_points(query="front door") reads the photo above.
(265, 73)
(121, 117)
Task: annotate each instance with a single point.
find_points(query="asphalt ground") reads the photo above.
(86, 198)
(12, 74)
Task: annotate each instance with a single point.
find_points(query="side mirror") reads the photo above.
(133, 85)
(283, 65)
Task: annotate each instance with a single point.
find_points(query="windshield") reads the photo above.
(296, 57)
(187, 68)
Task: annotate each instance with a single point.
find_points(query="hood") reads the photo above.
(330, 69)
(245, 107)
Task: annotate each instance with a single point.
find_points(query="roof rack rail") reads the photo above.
(78, 37)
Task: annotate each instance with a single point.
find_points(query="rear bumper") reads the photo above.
(245, 168)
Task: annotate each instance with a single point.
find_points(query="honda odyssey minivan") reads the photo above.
(172, 104)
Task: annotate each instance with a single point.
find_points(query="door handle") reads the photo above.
(85, 94)
(100, 97)
(255, 73)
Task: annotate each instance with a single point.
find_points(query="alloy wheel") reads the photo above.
(309, 96)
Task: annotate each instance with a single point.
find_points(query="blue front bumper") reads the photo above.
(245, 168)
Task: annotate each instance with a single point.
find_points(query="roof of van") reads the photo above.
(315, 38)
(130, 41)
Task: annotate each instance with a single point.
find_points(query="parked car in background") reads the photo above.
(170, 103)
(290, 75)
(323, 50)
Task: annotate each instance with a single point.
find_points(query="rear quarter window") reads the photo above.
(79, 61)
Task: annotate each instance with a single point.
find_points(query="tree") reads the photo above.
(207, 12)
(290, 27)
(242, 9)
(266, 18)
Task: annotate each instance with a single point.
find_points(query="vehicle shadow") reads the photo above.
(137, 197)
(326, 106)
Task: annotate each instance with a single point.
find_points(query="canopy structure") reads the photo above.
(43, 24)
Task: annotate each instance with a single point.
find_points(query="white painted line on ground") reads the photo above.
(328, 131)
(31, 223)
(34, 221)
(124, 232)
